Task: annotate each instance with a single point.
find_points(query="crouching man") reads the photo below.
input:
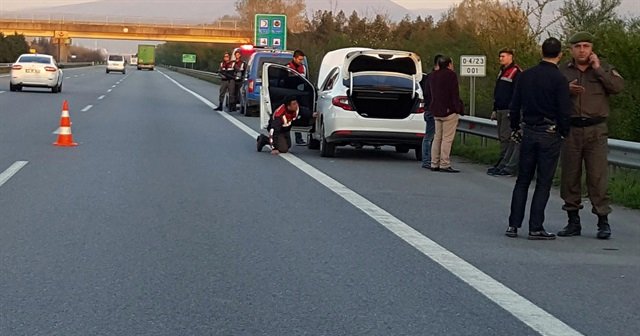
(280, 124)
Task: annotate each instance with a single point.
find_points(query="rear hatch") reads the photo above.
(383, 84)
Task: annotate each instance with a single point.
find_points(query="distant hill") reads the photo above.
(192, 11)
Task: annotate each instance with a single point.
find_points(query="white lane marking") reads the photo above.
(524, 310)
(57, 131)
(12, 170)
(87, 108)
(109, 90)
(101, 97)
(75, 76)
(113, 86)
(2, 91)
(67, 77)
(4, 76)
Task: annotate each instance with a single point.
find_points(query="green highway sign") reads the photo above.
(188, 58)
(271, 31)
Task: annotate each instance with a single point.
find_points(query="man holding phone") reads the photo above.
(591, 82)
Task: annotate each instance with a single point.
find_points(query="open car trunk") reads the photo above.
(383, 95)
(383, 104)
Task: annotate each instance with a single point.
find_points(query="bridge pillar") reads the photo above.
(62, 49)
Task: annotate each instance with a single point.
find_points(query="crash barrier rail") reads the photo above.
(621, 153)
(204, 75)
(5, 67)
(75, 65)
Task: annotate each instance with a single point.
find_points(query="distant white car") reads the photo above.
(36, 70)
(116, 63)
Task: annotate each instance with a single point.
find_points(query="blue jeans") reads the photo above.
(428, 139)
(539, 153)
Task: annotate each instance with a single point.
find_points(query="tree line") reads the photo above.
(481, 27)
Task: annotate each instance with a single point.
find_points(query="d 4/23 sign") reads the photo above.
(473, 66)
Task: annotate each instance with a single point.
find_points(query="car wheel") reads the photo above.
(312, 143)
(402, 149)
(60, 87)
(54, 89)
(124, 72)
(107, 71)
(12, 87)
(326, 149)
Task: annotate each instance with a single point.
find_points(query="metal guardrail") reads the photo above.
(204, 75)
(621, 153)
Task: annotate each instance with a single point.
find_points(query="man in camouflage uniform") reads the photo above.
(591, 82)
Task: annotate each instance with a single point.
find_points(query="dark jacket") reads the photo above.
(598, 84)
(227, 70)
(282, 119)
(505, 85)
(426, 90)
(445, 95)
(299, 68)
(542, 94)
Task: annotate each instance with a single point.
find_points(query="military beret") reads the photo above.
(581, 37)
(506, 50)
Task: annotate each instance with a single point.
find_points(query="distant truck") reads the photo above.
(146, 57)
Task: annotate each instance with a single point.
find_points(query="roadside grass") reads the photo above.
(624, 184)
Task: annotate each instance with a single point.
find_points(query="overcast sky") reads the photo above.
(24, 4)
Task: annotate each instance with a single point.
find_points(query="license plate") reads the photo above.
(32, 70)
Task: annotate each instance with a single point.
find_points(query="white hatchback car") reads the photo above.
(364, 97)
(35, 70)
(116, 63)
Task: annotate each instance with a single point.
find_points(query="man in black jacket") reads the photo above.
(542, 94)
(502, 94)
(430, 121)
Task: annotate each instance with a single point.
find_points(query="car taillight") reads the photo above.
(50, 69)
(421, 107)
(342, 102)
(16, 67)
(250, 86)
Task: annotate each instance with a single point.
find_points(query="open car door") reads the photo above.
(278, 82)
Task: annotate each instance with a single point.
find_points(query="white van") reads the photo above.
(116, 63)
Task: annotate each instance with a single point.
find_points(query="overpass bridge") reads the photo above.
(63, 30)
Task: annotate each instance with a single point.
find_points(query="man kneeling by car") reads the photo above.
(279, 127)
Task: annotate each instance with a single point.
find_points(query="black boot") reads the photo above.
(573, 227)
(604, 230)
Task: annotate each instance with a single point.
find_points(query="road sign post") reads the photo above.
(188, 59)
(473, 66)
(271, 31)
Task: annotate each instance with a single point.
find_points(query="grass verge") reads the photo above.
(624, 184)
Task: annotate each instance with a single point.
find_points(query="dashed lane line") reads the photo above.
(12, 170)
(521, 308)
(86, 108)
(109, 90)
(101, 97)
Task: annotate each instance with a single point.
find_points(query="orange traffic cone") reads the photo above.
(65, 138)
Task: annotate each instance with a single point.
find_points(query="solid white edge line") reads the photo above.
(87, 108)
(524, 310)
(101, 97)
(12, 170)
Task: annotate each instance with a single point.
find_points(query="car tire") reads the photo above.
(124, 72)
(54, 89)
(12, 87)
(60, 88)
(326, 149)
(402, 149)
(107, 71)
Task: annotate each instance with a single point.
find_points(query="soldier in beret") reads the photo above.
(591, 82)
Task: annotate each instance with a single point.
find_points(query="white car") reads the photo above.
(365, 97)
(35, 70)
(116, 63)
